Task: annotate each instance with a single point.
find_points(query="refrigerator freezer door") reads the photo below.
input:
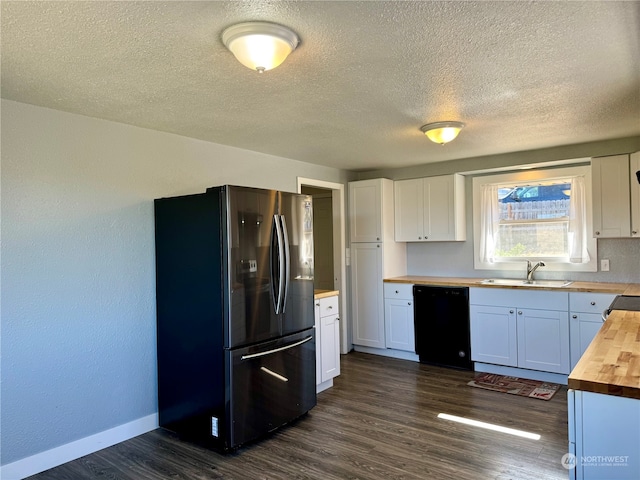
(250, 217)
(297, 220)
(271, 384)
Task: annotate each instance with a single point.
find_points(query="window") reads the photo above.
(534, 215)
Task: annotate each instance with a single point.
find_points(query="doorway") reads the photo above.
(329, 262)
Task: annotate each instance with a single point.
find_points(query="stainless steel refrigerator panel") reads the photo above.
(271, 384)
(297, 220)
(250, 215)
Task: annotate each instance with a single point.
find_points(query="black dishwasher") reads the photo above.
(441, 320)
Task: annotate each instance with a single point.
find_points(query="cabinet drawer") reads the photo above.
(590, 302)
(588, 317)
(328, 306)
(398, 290)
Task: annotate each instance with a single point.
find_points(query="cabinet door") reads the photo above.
(543, 340)
(583, 329)
(367, 294)
(330, 342)
(493, 335)
(611, 198)
(438, 208)
(398, 320)
(607, 436)
(408, 210)
(318, 329)
(635, 194)
(365, 210)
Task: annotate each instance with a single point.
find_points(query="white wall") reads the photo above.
(78, 280)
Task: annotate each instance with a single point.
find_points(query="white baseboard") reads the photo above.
(321, 387)
(388, 352)
(79, 448)
(521, 373)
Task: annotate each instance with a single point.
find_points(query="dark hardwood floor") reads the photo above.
(377, 422)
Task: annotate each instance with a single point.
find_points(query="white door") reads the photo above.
(635, 194)
(330, 345)
(408, 210)
(543, 340)
(318, 328)
(583, 329)
(611, 197)
(493, 335)
(367, 295)
(438, 208)
(398, 319)
(365, 211)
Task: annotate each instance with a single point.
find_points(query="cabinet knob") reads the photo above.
(378, 246)
(510, 311)
(593, 303)
(635, 232)
(426, 238)
(419, 238)
(397, 291)
(574, 316)
(377, 238)
(408, 303)
(597, 233)
(330, 307)
(519, 312)
(318, 304)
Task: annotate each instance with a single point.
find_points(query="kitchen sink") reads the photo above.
(516, 282)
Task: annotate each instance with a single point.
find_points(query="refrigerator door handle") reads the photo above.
(287, 260)
(275, 350)
(274, 239)
(281, 263)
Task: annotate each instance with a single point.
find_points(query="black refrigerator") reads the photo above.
(235, 313)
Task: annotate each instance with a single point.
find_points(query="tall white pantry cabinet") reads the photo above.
(375, 255)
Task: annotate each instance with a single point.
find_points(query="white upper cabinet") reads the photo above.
(635, 194)
(430, 209)
(611, 177)
(371, 210)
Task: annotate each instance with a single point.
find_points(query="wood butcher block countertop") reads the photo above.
(318, 294)
(611, 363)
(596, 287)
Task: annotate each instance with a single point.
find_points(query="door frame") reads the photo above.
(339, 248)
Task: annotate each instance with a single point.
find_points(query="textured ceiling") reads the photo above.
(522, 75)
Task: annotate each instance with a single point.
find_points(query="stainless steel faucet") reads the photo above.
(531, 269)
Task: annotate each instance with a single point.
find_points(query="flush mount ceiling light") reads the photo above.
(260, 46)
(442, 132)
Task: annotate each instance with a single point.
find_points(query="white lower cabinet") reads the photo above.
(543, 340)
(604, 437)
(508, 329)
(586, 310)
(367, 294)
(493, 335)
(327, 322)
(398, 316)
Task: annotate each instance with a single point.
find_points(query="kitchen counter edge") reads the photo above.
(318, 294)
(611, 363)
(577, 286)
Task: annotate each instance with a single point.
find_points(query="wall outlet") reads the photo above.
(604, 265)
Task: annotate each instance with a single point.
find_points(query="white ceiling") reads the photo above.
(522, 75)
